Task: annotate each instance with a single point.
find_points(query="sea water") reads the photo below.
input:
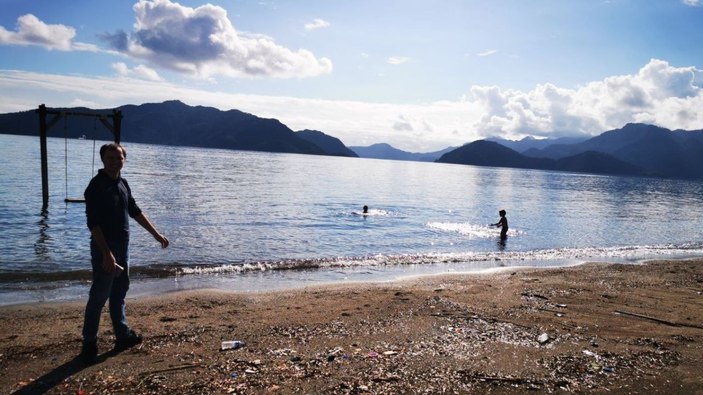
(251, 221)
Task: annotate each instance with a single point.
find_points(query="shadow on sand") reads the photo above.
(59, 374)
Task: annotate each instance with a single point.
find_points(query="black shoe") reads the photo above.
(89, 353)
(131, 340)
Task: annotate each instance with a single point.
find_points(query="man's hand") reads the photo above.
(146, 224)
(162, 239)
(109, 262)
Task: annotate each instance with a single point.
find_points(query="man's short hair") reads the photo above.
(112, 147)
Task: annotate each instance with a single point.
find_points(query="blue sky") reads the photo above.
(418, 74)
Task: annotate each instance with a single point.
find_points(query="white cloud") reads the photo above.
(402, 124)
(146, 73)
(487, 52)
(397, 60)
(692, 3)
(140, 72)
(121, 69)
(658, 93)
(317, 24)
(32, 31)
(203, 42)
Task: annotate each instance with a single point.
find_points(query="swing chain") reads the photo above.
(92, 172)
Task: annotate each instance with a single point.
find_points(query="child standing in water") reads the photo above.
(503, 223)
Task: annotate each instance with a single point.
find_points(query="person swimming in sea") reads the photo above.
(364, 212)
(503, 224)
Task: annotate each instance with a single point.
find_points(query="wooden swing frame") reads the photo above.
(115, 127)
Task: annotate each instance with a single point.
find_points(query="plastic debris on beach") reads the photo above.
(543, 338)
(232, 345)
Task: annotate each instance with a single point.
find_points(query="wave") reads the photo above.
(628, 253)
(624, 254)
(374, 212)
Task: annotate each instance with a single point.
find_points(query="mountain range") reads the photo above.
(175, 123)
(386, 151)
(331, 145)
(489, 153)
(635, 149)
(529, 142)
(658, 151)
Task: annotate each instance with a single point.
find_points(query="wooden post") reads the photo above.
(44, 160)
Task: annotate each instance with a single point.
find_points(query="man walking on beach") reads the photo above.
(108, 206)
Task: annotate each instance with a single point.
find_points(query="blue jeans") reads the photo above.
(107, 286)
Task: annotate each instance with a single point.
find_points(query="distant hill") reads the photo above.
(386, 151)
(659, 151)
(489, 153)
(175, 123)
(331, 145)
(596, 163)
(531, 143)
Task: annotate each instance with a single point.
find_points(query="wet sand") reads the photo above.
(595, 328)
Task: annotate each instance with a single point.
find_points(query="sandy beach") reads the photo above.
(595, 328)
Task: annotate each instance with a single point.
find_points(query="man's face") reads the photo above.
(113, 160)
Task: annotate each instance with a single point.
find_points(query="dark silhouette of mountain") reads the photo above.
(331, 145)
(530, 143)
(489, 153)
(659, 151)
(386, 151)
(174, 123)
(26, 123)
(554, 151)
(597, 163)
